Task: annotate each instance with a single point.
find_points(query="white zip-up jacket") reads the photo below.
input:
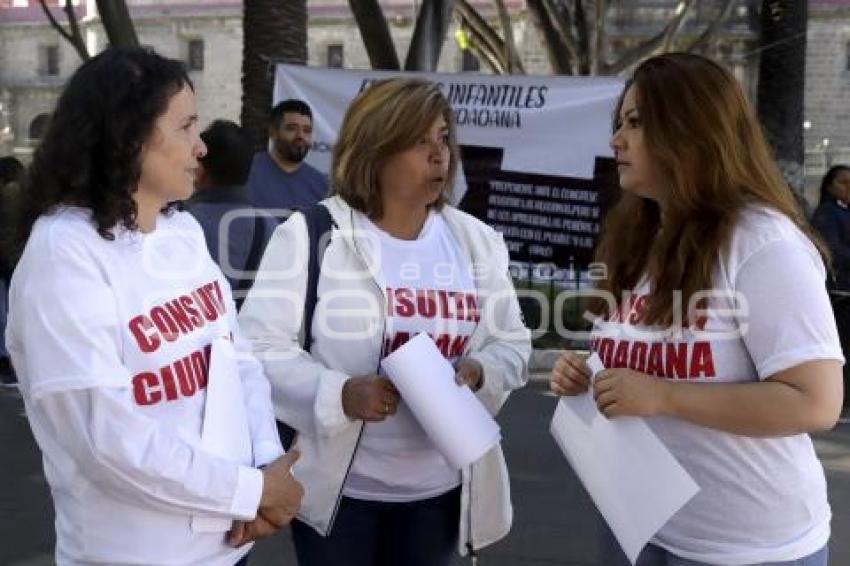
(348, 330)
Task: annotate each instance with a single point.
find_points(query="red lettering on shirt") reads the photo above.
(677, 361)
(702, 364)
(637, 358)
(621, 355)
(167, 327)
(177, 317)
(405, 303)
(191, 372)
(178, 314)
(426, 305)
(654, 365)
(145, 389)
(140, 327)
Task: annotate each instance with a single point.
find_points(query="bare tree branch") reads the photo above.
(678, 18)
(597, 61)
(514, 63)
(560, 56)
(582, 38)
(375, 33)
(116, 21)
(56, 25)
(476, 46)
(79, 43)
(429, 35)
(563, 25)
(701, 44)
(74, 37)
(482, 33)
(482, 50)
(650, 46)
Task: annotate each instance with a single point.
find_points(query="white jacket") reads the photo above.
(348, 329)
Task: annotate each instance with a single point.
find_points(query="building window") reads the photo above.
(847, 56)
(469, 61)
(196, 55)
(38, 126)
(335, 56)
(48, 60)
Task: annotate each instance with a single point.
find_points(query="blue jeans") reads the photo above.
(376, 533)
(656, 556)
(612, 555)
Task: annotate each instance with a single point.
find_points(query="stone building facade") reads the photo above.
(35, 61)
(827, 106)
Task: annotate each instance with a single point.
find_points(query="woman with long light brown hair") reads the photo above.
(718, 329)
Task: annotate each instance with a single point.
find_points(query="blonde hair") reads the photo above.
(388, 117)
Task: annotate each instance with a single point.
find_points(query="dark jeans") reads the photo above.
(612, 555)
(374, 533)
(841, 308)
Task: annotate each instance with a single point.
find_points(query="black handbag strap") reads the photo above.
(319, 225)
(252, 262)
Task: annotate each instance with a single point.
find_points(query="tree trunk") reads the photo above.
(375, 34)
(117, 23)
(781, 83)
(73, 34)
(582, 38)
(274, 31)
(484, 39)
(429, 35)
(515, 66)
(557, 36)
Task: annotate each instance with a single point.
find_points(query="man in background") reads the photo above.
(279, 178)
(236, 233)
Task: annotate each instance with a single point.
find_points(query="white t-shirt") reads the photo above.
(111, 341)
(761, 499)
(429, 288)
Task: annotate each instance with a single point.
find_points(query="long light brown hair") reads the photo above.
(710, 153)
(385, 119)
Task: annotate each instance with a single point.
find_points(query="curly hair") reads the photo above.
(91, 153)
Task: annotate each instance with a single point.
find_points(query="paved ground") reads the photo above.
(555, 521)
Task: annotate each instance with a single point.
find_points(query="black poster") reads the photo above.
(544, 219)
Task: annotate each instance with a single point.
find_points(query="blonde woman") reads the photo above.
(400, 261)
(719, 329)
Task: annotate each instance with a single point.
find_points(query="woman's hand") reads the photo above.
(470, 373)
(282, 493)
(244, 532)
(370, 398)
(625, 392)
(570, 375)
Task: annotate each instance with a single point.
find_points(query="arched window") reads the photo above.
(38, 126)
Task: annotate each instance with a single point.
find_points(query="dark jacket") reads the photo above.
(832, 220)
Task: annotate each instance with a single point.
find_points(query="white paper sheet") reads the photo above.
(632, 478)
(225, 431)
(454, 419)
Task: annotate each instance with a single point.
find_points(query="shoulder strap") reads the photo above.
(319, 225)
(253, 260)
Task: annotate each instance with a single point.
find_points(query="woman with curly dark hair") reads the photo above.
(118, 317)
